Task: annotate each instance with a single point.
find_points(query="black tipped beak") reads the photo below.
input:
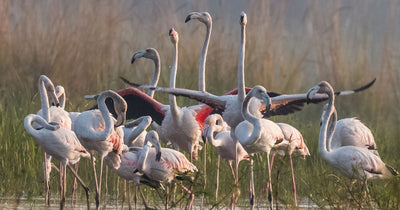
(204, 138)
(133, 60)
(137, 170)
(158, 156)
(188, 18)
(308, 97)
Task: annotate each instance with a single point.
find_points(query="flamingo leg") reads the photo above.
(101, 175)
(251, 191)
(191, 195)
(267, 186)
(293, 181)
(270, 196)
(231, 167)
(63, 185)
(82, 184)
(47, 159)
(205, 167)
(217, 184)
(129, 195)
(74, 186)
(97, 198)
(167, 197)
(143, 198)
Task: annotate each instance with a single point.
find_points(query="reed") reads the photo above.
(291, 46)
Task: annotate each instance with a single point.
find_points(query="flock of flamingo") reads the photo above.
(234, 124)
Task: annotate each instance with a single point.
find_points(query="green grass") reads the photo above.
(85, 47)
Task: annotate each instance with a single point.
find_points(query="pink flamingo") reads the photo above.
(98, 131)
(217, 132)
(352, 161)
(163, 164)
(257, 134)
(60, 143)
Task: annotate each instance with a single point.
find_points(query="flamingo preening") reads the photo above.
(257, 134)
(62, 144)
(352, 161)
(100, 132)
(217, 133)
(163, 164)
(127, 169)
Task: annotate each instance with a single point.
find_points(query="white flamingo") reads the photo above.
(60, 92)
(352, 161)
(53, 114)
(293, 142)
(351, 132)
(217, 133)
(179, 125)
(61, 143)
(98, 131)
(163, 164)
(257, 135)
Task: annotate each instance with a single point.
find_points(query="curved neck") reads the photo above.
(39, 120)
(241, 90)
(62, 100)
(44, 100)
(203, 59)
(156, 75)
(324, 139)
(252, 119)
(105, 113)
(172, 98)
(210, 135)
(143, 157)
(331, 129)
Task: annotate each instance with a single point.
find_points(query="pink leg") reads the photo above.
(267, 186)
(294, 183)
(97, 198)
(216, 188)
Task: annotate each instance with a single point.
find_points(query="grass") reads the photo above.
(290, 47)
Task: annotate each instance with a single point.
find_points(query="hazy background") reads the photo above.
(291, 46)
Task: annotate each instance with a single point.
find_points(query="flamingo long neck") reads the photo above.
(62, 100)
(331, 129)
(44, 100)
(210, 136)
(255, 134)
(105, 113)
(203, 59)
(241, 91)
(172, 98)
(142, 158)
(156, 75)
(324, 139)
(41, 121)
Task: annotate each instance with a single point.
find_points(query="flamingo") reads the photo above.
(351, 132)
(205, 18)
(50, 113)
(179, 125)
(163, 164)
(60, 93)
(257, 134)
(217, 133)
(60, 143)
(292, 143)
(98, 131)
(128, 166)
(352, 161)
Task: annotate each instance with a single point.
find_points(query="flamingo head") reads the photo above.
(243, 18)
(322, 87)
(174, 36)
(149, 53)
(203, 17)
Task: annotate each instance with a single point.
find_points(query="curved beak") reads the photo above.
(311, 92)
(267, 101)
(188, 18)
(137, 55)
(120, 119)
(54, 99)
(204, 133)
(158, 156)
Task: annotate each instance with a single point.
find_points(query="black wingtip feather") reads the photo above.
(129, 82)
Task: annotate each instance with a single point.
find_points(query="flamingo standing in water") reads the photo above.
(179, 125)
(53, 114)
(293, 142)
(163, 164)
(217, 133)
(257, 135)
(100, 132)
(352, 161)
(60, 143)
